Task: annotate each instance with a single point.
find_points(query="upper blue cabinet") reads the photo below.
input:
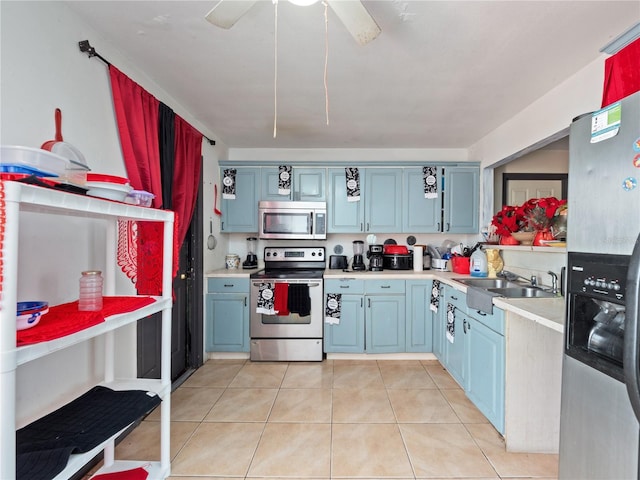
(307, 185)
(461, 199)
(379, 209)
(241, 214)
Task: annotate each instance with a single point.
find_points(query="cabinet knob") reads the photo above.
(183, 276)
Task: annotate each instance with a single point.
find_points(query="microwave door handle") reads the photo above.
(632, 332)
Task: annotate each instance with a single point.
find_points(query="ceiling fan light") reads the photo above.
(303, 3)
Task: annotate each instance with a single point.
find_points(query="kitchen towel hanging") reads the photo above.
(435, 296)
(284, 180)
(333, 309)
(353, 184)
(299, 301)
(229, 184)
(430, 180)
(265, 303)
(451, 323)
(281, 301)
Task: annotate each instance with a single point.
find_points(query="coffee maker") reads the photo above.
(375, 258)
(252, 258)
(358, 255)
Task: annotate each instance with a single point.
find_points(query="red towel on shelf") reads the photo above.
(281, 298)
(65, 319)
(621, 74)
(134, 474)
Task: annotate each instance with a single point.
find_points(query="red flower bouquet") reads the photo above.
(508, 220)
(539, 212)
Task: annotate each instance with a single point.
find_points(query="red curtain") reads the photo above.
(622, 74)
(186, 174)
(137, 118)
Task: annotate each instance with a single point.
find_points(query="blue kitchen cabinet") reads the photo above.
(486, 366)
(455, 351)
(383, 200)
(307, 185)
(461, 199)
(419, 320)
(419, 214)
(269, 190)
(227, 315)
(379, 209)
(439, 322)
(344, 216)
(384, 316)
(241, 214)
(347, 335)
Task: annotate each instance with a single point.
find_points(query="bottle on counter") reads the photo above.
(478, 267)
(90, 291)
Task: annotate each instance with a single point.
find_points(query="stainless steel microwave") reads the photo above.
(293, 220)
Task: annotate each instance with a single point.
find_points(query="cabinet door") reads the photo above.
(227, 322)
(383, 200)
(419, 337)
(309, 184)
(485, 371)
(241, 214)
(385, 323)
(348, 335)
(270, 177)
(439, 321)
(344, 216)
(419, 214)
(455, 352)
(461, 201)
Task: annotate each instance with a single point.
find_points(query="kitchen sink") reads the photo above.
(522, 292)
(487, 282)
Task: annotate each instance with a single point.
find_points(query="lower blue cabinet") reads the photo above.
(486, 371)
(347, 336)
(420, 323)
(227, 315)
(385, 323)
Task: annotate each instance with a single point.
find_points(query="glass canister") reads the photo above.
(90, 291)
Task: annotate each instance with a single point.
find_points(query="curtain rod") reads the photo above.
(89, 50)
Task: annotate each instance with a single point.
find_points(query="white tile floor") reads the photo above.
(335, 419)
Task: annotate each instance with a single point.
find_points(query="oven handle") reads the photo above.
(310, 285)
(632, 332)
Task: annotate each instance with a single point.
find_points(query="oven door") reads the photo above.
(292, 325)
(595, 333)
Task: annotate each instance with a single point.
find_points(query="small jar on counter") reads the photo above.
(90, 291)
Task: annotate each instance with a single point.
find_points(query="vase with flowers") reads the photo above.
(540, 213)
(506, 222)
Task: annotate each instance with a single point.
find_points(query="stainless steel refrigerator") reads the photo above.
(599, 428)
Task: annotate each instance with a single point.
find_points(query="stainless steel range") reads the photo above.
(286, 305)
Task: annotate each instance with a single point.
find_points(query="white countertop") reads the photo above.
(545, 311)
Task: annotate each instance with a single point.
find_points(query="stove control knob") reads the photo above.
(616, 286)
(320, 253)
(586, 281)
(313, 254)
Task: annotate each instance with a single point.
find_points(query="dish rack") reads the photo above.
(19, 198)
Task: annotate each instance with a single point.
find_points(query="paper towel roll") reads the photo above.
(417, 258)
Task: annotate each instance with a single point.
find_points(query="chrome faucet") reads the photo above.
(554, 282)
(512, 277)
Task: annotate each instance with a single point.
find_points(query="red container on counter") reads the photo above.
(460, 264)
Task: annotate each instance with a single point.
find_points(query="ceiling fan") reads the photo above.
(352, 13)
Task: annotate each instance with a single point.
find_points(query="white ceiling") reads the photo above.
(442, 74)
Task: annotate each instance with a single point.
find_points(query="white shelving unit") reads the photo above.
(21, 198)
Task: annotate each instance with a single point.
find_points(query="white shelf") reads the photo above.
(28, 353)
(21, 198)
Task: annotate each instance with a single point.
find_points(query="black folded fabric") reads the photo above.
(299, 301)
(44, 446)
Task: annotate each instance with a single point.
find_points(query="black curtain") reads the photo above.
(166, 138)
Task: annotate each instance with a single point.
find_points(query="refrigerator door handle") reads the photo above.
(632, 332)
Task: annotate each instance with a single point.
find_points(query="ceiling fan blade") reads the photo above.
(226, 13)
(356, 19)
